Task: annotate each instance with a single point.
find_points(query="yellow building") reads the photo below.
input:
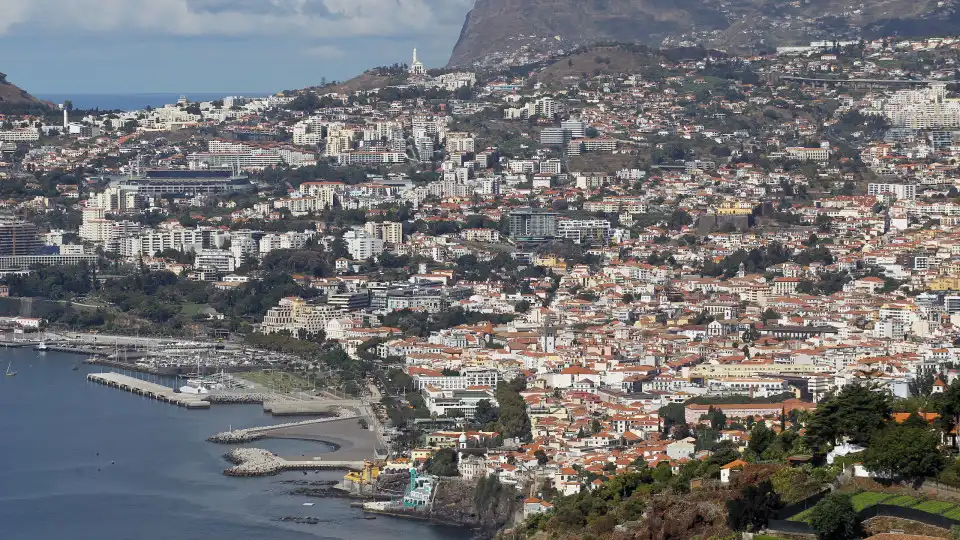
(945, 283)
(734, 208)
(422, 454)
(550, 261)
(362, 481)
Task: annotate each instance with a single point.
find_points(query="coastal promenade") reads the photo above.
(149, 389)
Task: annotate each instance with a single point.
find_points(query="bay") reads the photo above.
(83, 461)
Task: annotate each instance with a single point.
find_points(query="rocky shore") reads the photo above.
(260, 462)
(302, 520)
(237, 399)
(253, 462)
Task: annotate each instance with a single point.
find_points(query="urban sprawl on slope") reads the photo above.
(563, 280)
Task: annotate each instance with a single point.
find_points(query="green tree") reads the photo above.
(514, 421)
(718, 420)
(949, 407)
(834, 518)
(903, 451)
(443, 463)
(486, 413)
(761, 438)
(856, 413)
(754, 508)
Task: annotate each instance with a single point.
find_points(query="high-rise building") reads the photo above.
(553, 135)
(900, 191)
(362, 245)
(575, 127)
(390, 232)
(533, 224)
(18, 238)
(595, 231)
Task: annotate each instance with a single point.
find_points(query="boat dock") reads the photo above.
(149, 389)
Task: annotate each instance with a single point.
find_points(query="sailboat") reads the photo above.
(10, 373)
(195, 385)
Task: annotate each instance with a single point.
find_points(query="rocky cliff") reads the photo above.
(515, 31)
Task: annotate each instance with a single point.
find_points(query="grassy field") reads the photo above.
(192, 309)
(953, 513)
(866, 499)
(934, 507)
(277, 381)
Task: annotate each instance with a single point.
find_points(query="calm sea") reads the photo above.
(133, 102)
(82, 461)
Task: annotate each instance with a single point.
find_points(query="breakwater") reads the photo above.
(168, 395)
(260, 462)
(149, 389)
(239, 436)
(237, 399)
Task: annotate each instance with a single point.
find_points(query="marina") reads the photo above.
(164, 470)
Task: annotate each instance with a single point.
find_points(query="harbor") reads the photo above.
(156, 356)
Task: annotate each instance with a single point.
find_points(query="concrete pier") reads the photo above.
(245, 435)
(149, 389)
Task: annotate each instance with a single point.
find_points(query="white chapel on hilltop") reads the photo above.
(417, 67)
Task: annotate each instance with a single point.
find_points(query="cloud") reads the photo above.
(291, 18)
(325, 51)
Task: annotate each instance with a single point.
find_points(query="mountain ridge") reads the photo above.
(511, 32)
(15, 100)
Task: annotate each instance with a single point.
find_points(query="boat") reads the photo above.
(42, 346)
(10, 373)
(308, 504)
(76, 366)
(194, 386)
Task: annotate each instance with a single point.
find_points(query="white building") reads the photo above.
(900, 191)
(219, 260)
(362, 245)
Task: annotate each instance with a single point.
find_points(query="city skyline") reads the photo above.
(209, 46)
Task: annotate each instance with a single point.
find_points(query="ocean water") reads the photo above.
(83, 461)
(133, 102)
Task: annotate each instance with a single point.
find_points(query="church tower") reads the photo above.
(417, 68)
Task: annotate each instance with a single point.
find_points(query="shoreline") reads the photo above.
(419, 517)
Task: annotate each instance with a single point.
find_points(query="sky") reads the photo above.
(182, 46)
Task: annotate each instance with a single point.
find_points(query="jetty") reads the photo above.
(238, 436)
(259, 462)
(149, 389)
